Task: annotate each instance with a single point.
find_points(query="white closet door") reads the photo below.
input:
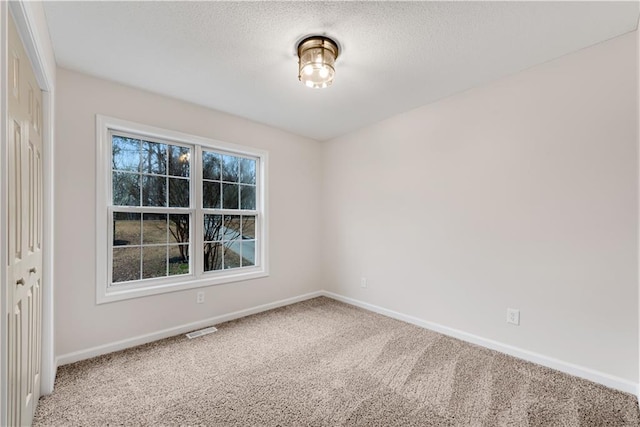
(25, 233)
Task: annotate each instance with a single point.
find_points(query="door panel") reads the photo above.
(17, 193)
(30, 198)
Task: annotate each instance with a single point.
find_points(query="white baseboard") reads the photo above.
(550, 362)
(540, 359)
(76, 356)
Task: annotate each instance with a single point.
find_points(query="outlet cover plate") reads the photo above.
(513, 316)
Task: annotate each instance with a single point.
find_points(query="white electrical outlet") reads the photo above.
(200, 297)
(363, 282)
(513, 316)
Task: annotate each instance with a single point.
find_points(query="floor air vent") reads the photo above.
(201, 332)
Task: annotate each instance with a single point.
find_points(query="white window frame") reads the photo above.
(105, 291)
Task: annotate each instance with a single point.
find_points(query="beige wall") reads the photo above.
(294, 182)
(522, 194)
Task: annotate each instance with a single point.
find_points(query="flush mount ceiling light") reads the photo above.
(316, 58)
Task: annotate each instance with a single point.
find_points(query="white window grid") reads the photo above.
(197, 277)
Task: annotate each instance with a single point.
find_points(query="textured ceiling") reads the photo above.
(239, 57)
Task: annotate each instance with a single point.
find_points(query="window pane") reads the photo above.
(126, 229)
(230, 196)
(231, 229)
(247, 197)
(248, 227)
(232, 254)
(126, 264)
(154, 228)
(154, 190)
(212, 228)
(179, 228)
(125, 154)
(230, 168)
(211, 195)
(178, 259)
(178, 192)
(154, 158)
(247, 171)
(248, 252)
(211, 165)
(179, 160)
(154, 261)
(126, 189)
(152, 206)
(212, 256)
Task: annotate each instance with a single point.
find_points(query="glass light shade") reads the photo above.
(317, 56)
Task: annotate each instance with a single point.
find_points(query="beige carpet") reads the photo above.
(324, 363)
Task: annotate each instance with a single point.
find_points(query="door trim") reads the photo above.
(31, 23)
(638, 178)
(4, 295)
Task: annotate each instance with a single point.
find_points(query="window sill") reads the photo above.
(120, 293)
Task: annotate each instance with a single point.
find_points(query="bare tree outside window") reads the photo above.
(154, 209)
(228, 184)
(176, 211)
(150, 174)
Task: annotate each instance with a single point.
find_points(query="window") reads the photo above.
(176, 211)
